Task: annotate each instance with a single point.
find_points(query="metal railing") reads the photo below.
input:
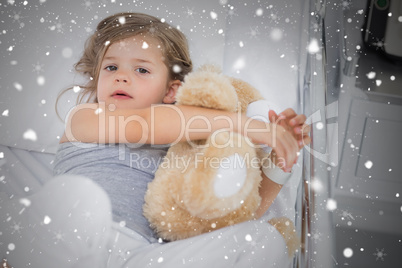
(314, 216)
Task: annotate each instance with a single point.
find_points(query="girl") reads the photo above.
(135, 64)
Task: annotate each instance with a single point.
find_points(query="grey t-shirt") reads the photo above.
(122, 170)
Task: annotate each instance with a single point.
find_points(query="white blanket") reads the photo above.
(32, 220)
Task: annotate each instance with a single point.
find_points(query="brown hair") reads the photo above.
(121, 26)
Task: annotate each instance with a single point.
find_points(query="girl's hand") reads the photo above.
(284, 147)
(294, 123)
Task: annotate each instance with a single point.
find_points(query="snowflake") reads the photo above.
(274, 18)
(87, 4)
(122, 45)
(190, 13)
(29, 134)
(379, 43)
(58, 26)
(17, 18)
(59, 237)
(379, 254)
(38, 68)
(317, 236)
(254, 32)
(104, 3)
(232, 12)
(87, 215)
(16, 228)
(252, 245)
(345, 215)
(345, 4)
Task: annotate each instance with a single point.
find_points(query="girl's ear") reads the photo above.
(170, 96)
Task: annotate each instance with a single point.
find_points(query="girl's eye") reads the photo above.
(111, 68)
(142, 70)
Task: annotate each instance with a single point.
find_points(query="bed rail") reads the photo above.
(314, 203)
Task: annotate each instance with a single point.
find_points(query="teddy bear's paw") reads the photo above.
(288, 231)
(230, 177)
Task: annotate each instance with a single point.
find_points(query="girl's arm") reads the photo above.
(167, 124)
(295, 124)
(268, 191)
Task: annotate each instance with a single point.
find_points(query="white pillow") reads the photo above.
(264, 47)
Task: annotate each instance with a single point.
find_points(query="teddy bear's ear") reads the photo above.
(210, 68)
(246, 93)
(207, 89)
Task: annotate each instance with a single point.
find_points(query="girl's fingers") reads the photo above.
(306, 140)
(272, 116)
(293, 118)
(303, 141)
(280, 158)
(296, 149)
(302, 135)
(281, 152)
(288, 113)
(305, 129)
(286, 149)
(298, 130)
(291, 151)
(299, 119)
(275, 118)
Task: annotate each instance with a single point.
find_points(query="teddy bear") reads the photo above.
(201, 186)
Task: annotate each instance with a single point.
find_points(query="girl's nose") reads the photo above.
(118, 79)
(122, 78)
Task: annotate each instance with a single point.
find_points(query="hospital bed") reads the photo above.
(274, 45)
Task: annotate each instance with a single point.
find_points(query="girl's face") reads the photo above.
(134, 75)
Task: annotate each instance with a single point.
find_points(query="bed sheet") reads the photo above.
(23, 173)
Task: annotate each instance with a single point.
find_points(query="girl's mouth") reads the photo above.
(121, 94)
